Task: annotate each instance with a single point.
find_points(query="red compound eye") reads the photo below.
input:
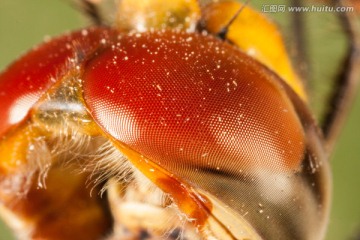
(196, 113)
(26, 80)
(185, 100)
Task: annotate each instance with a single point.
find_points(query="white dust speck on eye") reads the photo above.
(228, 87)
(162, 121)
(204, 154)
(111, 90)
(189, 39)
(103, 41)
(126, 58)
(152, 170)
(158, 87)
(84, 32)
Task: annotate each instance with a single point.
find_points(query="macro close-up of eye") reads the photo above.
(179, 120)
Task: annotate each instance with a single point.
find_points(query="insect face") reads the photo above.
(167, 120)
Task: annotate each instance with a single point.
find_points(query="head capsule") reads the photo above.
(220, 126)
(200, 116)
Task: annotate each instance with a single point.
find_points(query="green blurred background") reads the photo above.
(25, 23)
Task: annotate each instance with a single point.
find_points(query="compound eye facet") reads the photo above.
(219, 121)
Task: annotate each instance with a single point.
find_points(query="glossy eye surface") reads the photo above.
(215, 118)
(25, 81)
(225, 110)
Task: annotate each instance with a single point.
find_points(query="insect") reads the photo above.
(50, 123)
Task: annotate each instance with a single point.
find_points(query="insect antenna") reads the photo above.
(224, 30)
(346, 83)
(90, 9)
